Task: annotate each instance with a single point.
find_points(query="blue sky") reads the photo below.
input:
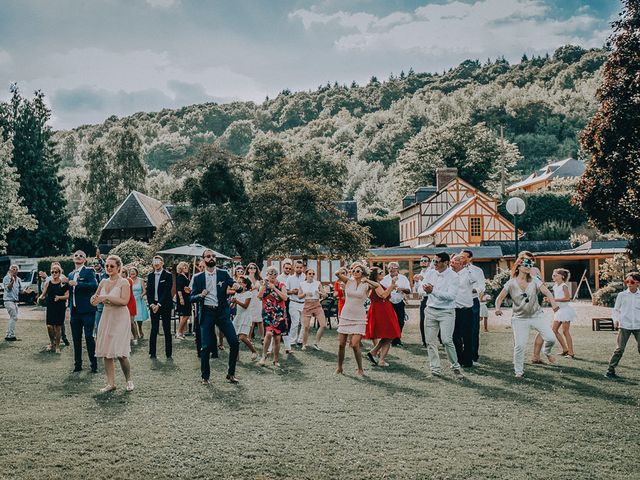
(98, 58)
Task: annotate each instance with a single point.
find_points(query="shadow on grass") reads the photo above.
(74, 384)
(557, 377)
(113, 403)
(225, 394)
(389, 387)
(167, 366)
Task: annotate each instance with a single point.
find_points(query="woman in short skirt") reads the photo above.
(566, 314)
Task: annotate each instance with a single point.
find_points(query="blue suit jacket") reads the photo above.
(80, 295)
(223, 281)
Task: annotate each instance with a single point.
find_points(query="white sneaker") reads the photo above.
(317, 347)
(129, 386)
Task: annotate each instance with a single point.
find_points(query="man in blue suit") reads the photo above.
(82, 285)
(211, 289)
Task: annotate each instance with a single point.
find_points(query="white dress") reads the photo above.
(242, 320)
(255, 306)
(566, 313)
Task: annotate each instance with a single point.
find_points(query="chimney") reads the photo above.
(444, 176)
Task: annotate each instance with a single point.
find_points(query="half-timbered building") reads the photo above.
(453, 214)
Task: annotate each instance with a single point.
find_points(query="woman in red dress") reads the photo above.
(131, 306)
(382, 322)
(338, 293)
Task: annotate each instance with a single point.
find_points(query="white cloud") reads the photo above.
(162, 3)
(484, 27)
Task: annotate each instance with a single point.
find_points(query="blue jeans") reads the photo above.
(216, 317)
(83, 322)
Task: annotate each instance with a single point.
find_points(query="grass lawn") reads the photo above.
(301, 421)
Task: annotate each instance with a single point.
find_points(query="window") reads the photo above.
(475, 227)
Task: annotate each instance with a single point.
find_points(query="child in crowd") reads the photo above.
(484, 311)
(566, 314)
(626, 313)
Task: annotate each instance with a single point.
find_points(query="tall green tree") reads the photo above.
(41, 188)
(14, 214)
(609, 190)
(129, 167)
(100, 188)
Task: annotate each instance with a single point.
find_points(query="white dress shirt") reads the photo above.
(293, 283)
(76, 274)
(445, 288)
(157, 284)
(282, 278)
(402, 282)
(464, 298)
(477, 275)
(211, 278)
(417, 284)
(627, 310)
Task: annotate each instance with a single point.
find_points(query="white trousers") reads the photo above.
(295, 332)
(521, 327)
(12, 310)
(443, 321)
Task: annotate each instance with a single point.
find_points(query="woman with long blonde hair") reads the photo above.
(114, 332)
(183, 308)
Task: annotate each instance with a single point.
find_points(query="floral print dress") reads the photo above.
(274, 311)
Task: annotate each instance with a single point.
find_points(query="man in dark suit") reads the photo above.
(211, 289)
(160, 300)
(83, 285)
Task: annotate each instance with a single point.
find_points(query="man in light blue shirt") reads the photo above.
(12, 287)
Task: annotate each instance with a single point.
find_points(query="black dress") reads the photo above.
(183, 310)
(56, 310)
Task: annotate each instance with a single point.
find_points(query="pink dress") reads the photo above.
(114, 331)
(353, 318)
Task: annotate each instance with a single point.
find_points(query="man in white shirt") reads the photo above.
(462, 333)
(441, 284)
(295, 305)
(425, 265)
(480, 285)
(626, 313)
(397, 296)
(287, 267)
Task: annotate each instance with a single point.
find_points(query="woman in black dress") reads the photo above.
(183, 308)
(56, 293)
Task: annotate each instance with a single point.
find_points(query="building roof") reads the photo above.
(568, 167)
(138, 211)
(479, 253)
(602, 247)
(534, 246)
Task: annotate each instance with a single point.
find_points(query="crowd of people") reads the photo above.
(109, 304)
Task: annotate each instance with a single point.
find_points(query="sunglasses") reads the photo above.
(55, 271)
(251, 268)
(311, 273)
(79, 255)
(437, 261)
(526, 297)
(632, 282)
(272, 273)
(527, 263)
(110, 266)
(208, 256)
(357, 271)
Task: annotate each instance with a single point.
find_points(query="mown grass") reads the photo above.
(301, 421)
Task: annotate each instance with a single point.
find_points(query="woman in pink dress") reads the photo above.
(114, 332)
(353, 318)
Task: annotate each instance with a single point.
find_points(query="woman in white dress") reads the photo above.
(242, 301)
(312, 291)
(114, 331)
(566, 314)
(255, 307)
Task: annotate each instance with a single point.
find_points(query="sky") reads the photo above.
(98, 58)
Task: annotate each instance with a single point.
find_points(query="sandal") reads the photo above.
(129, 386)
(107, 389)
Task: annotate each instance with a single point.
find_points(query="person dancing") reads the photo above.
(273, 295)
(183, 307)
(311, 290)
(382, 321)
(626, 313)
(56, 293)
(255, 307)
(566, 314)
(353, 319)
(114, 331)
(241, 301)
(527, 313)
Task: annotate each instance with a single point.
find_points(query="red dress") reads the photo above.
(382, 321)
(339, 294)
(132, 300)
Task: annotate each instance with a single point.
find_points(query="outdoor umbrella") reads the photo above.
(194, 250)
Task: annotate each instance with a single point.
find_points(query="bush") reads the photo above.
(552, 230)
(132, 252)
(495, 285)
(66, 263)
(606, 296)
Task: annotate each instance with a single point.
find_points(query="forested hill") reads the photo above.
(385, 137)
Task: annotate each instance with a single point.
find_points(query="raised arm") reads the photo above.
(342, 275)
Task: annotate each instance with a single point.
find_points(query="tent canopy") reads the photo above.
(192, 250)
